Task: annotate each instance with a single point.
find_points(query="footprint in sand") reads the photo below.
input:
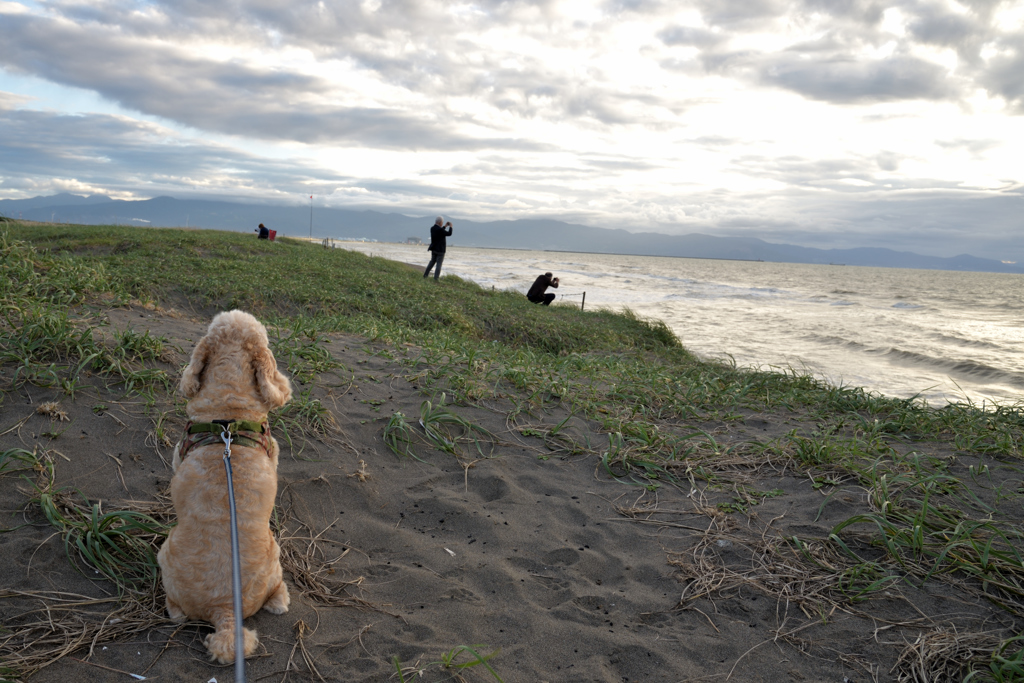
(562, 556)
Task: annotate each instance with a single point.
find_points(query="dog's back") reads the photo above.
(232, 376)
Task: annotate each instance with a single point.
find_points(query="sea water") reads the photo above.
(940, 335)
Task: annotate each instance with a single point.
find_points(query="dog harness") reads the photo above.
(241, 432)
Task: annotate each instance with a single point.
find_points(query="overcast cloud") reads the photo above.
(826, 123)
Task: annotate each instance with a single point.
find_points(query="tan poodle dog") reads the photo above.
(232, 376)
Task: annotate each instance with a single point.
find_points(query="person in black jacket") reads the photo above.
(264, 232)
(438, 233)
(536, 293)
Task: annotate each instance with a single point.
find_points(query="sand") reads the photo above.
(532, 553)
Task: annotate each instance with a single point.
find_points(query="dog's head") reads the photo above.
(237, 341)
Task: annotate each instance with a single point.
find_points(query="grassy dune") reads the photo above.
(935, 510)
(591, 357)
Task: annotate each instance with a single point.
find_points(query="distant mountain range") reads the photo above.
(551, 235)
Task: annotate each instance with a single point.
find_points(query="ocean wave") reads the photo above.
(635, 280)
(750, 296)
(969, 343)
(844, 303)
(967, 369)
(900, 304)
(843, 292)
(832, 340)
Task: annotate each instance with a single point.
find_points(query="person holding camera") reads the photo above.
(536, 293)
(438, 244)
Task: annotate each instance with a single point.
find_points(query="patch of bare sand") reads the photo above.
(574, 576)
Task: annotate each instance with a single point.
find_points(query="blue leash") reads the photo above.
(236, 563)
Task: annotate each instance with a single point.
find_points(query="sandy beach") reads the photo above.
(526, 548)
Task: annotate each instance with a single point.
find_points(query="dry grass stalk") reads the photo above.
(60, 624)
(817, 580)
(361, 474)
(52, 625)
(301, 631)
(53, 410)
(303, 558)
(944, 656)
(821, 580)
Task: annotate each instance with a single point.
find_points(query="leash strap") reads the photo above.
(236, 561)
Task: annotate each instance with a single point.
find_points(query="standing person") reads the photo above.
(264, 232)
(438, 244)
(536, 293)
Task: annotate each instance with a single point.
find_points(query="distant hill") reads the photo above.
(63, 200)
(542, 234)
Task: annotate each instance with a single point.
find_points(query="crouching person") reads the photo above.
(537, 291)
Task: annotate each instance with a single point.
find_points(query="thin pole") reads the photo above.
(584, 300)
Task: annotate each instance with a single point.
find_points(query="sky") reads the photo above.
(823, 123)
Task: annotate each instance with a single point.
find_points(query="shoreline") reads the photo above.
(695, 258)
(559, 251)
(936, 377)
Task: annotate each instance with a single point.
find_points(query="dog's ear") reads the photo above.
(190, 384)
(274, 387)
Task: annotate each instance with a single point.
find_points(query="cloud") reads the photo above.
(849, 53)
(154, 63)
(152, 60)
(844, 80)
(866, 13)
(974, 146)
(116, 154)
(10, 100)
(690, 36)
(1004, 74)
(740, 14)
(888, 161)
(169, 81)
(822, 118)
(932, 223)
(943, 28)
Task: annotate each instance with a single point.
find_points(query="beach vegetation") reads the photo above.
(438, 428)
(398, 435)
(931, 510)
(19, 460)
(455, 661)
(117, 545)
(1006, 666)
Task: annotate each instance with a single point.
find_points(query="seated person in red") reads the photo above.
(536, 293)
